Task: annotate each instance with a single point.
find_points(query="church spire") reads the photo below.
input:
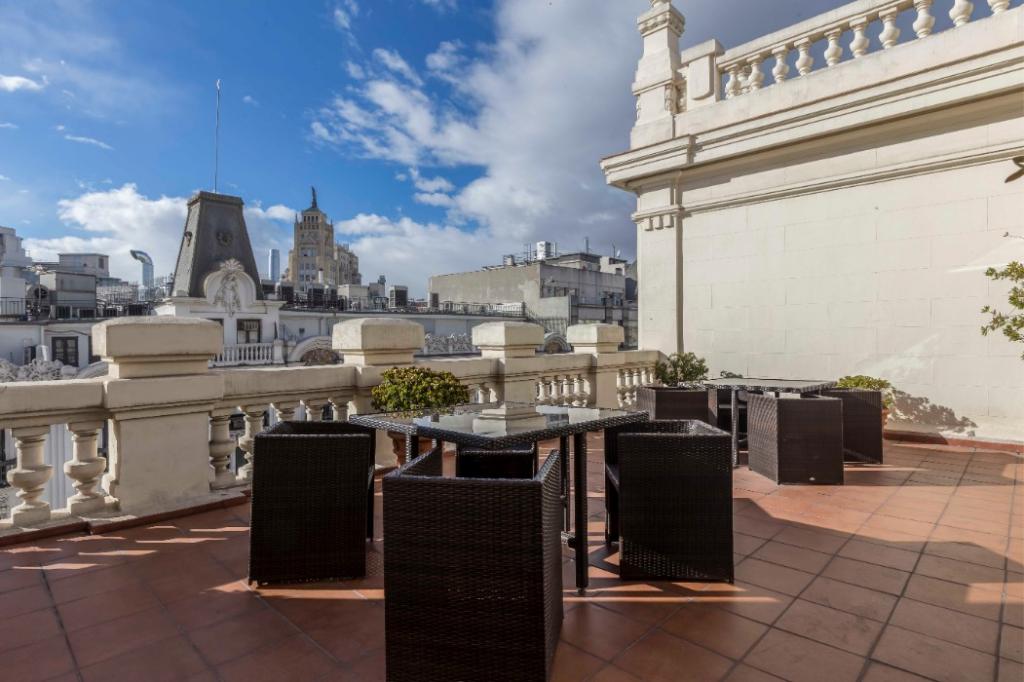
(314, 206)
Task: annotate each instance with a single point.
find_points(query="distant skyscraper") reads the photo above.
(315, 257)
(274, 267)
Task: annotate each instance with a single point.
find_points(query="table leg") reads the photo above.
(563, 448)
(580, 475)
(734, 405)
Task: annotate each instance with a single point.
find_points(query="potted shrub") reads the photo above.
(868, 383)
(409, 389)
(681, 395)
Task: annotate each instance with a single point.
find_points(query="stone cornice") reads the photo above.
(661, 16)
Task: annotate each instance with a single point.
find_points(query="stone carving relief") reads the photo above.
(228, 294)
(453, 344)
(37, 370)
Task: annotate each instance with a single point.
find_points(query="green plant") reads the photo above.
(1011, 325)
(404, 389)
(681, 369)
(869, 384)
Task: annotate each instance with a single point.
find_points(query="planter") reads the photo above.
(663, 402)
(885, 416)
(398, 446)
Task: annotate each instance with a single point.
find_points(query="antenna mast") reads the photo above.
(216, 143)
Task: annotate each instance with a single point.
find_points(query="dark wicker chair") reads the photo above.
(668, 493)
(515, 462)
(862, 423)
(312, 502)
(472, 573)
(796, 440)
(663, 402)
(719, 406)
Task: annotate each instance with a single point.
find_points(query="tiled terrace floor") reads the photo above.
(912, 570)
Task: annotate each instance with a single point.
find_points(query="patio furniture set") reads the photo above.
(473, 561)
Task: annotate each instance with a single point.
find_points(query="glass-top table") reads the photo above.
(495, 426)
(734, 385)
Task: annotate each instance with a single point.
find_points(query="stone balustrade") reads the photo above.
(168, 414)
(250, 354)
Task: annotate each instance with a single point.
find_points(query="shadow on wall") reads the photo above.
(921, 410)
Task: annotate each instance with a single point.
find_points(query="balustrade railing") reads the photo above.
(849, 32)
(157, 405)
(245, 354)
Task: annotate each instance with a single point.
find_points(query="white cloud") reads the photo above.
(88, 140)
(7, 125)
(435, 184)
(445, 58)
(434, 199)
(441, 5)
(4, 178)
(394, 62)
(355, 71)
(343, 15)
(250, 100)
(118, 220)
(15, 83)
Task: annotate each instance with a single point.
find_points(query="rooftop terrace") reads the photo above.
(911, 570)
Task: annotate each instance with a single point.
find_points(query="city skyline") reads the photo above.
(414, 118)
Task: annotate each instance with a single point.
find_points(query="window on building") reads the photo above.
(65, 349)
(248, 331)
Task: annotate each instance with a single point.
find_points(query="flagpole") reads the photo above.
(216, 142)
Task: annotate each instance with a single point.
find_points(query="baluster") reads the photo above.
(999, 6)
(925, 21)
(620, 391)
(315, 409)
(781, 69)
(961, 12)
(806, 61)
(221, 448)
(834, 53)
(579, 398)
(756, 77)
(860, 44)
(890, 34)
(567, 390)
(339, 406)
(541, 391)
(86, 468)
(733, 87)
(253, 425)
(30, 475)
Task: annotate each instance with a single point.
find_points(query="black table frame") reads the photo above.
(577, 539)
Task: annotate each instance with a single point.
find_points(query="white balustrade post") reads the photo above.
(339, 406)
(247, 443)
(999, 6)
(284, 410)
(806, 61)
(86, 468)
(834, 52)
(961, 12)
(925, 21)
(756, 77)
(890, 33)
(781, 69)
(222, 446)
(733, 87)
(30, 475)
(860, 44)
(513, 345)
(604, 377)
(315, 409)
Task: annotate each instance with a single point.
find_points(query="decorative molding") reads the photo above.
(37, 370)
(659, 219)
(227, 294)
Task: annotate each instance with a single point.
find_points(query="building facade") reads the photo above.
(315, 256)
(838, 217)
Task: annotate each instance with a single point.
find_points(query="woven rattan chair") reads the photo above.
(719, 406)
(862, 423)
(668, 494)
(663, 402)
(472, 574)
(312, 502)
(796, 440)
(515, 462)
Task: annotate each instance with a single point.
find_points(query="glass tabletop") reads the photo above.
(778, 385)
(499, 424)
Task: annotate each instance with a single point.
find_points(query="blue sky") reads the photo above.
(439, 133)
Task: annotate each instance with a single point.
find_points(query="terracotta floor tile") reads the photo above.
(573, 665)
(94, 582)
(840, 629)
(240, 635)
(645, 604)
(600, 632)
(346, 629)
(162, 661)
(25, 600)
(760, 528)
(966, 599)
(744, 673)
(611, 673)
(31, 628)
(772, 576)
(850, 598)
(39, 661)
(295, 659)
(871, 576)
(883, 556)
(818, 540)
(1011, 644)
(370, 668)
(879, 672)
(749, 601)
(1010, 671)
(746, 544)
(932, 658)
(721, 631)
(958, 571)
(952, 626)
(963, 551)
(212, 606)
(661, 657)
(793, 557)
(802, 660)
(116, 637)
(106, 606)
(19, 578)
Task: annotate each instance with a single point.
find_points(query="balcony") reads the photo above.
(912, 567)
